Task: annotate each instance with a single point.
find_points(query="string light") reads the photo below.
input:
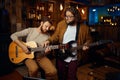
(61, 7)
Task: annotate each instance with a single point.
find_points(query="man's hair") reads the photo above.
(75, 12)
(45, 18)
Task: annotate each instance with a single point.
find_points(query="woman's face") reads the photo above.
(45, 26)
(70, 18)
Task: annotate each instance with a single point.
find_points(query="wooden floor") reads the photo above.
(84, 73)
(15, 75)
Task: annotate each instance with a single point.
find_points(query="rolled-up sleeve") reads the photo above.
(17, 35)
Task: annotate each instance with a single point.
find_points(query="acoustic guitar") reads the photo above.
(17, 55)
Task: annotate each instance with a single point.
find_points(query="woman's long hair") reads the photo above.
(75, 12)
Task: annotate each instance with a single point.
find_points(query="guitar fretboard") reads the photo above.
(68, 46)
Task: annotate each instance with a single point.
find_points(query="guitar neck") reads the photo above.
(94, 44)
(80, 47)
(43, 49)
(54, 47)
(67, 46)
(37, 49)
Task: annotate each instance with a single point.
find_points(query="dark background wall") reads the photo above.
(5, 65)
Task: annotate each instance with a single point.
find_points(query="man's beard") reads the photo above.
(71, 23)
(42, 30)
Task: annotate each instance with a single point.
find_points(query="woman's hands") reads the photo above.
(85, 48)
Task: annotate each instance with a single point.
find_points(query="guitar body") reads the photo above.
(63, 53)
(72, 46)
(17, 55)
